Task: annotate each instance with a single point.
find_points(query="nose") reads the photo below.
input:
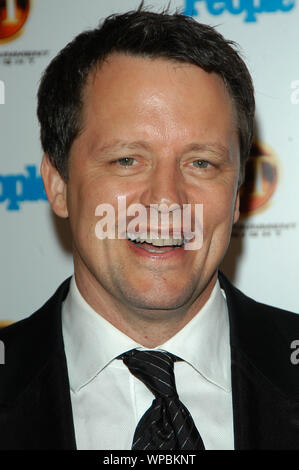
(164, 187)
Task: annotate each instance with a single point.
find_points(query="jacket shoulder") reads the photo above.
(17, 331)
(265, 336)
(261, 313)
(29, 344)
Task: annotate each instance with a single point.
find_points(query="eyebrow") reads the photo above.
(119, 144)
(213, 147)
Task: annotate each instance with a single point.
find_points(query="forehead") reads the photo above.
(135, 72)
(128, 91)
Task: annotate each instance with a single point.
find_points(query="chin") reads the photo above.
(161, 298)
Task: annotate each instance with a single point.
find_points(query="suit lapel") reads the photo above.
(265, 384)
(35, 406)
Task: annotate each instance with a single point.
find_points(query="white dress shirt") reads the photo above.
(108, 401)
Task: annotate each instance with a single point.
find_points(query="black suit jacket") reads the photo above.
(35, 405)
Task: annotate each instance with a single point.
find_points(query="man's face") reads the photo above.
(155, 131)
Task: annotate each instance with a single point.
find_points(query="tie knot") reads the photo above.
(154, 369)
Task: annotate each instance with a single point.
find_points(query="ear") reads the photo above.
(55, 187)
(237, 207)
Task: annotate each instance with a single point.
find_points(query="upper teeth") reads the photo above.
(158, 241)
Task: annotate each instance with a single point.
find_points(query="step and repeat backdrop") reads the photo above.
(35, 248)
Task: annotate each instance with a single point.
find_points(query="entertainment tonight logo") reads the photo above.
(13, 16)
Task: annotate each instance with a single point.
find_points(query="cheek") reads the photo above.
(85, 197)
(218, 210)
(82, 202)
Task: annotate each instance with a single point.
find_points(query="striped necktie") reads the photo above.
(167, 424)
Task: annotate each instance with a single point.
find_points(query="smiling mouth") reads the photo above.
(158, 245)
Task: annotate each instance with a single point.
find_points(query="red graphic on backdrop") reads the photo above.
(13, 15)
(261, 179)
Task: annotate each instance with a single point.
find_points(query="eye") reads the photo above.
(201, 164)
(126, 161)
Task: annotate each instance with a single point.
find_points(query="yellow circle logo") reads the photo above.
(13, 15)
(262, 173)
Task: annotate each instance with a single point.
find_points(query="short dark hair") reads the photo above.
(143, 34)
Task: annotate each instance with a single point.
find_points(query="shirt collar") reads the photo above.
(204, 342)
(91, 342)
